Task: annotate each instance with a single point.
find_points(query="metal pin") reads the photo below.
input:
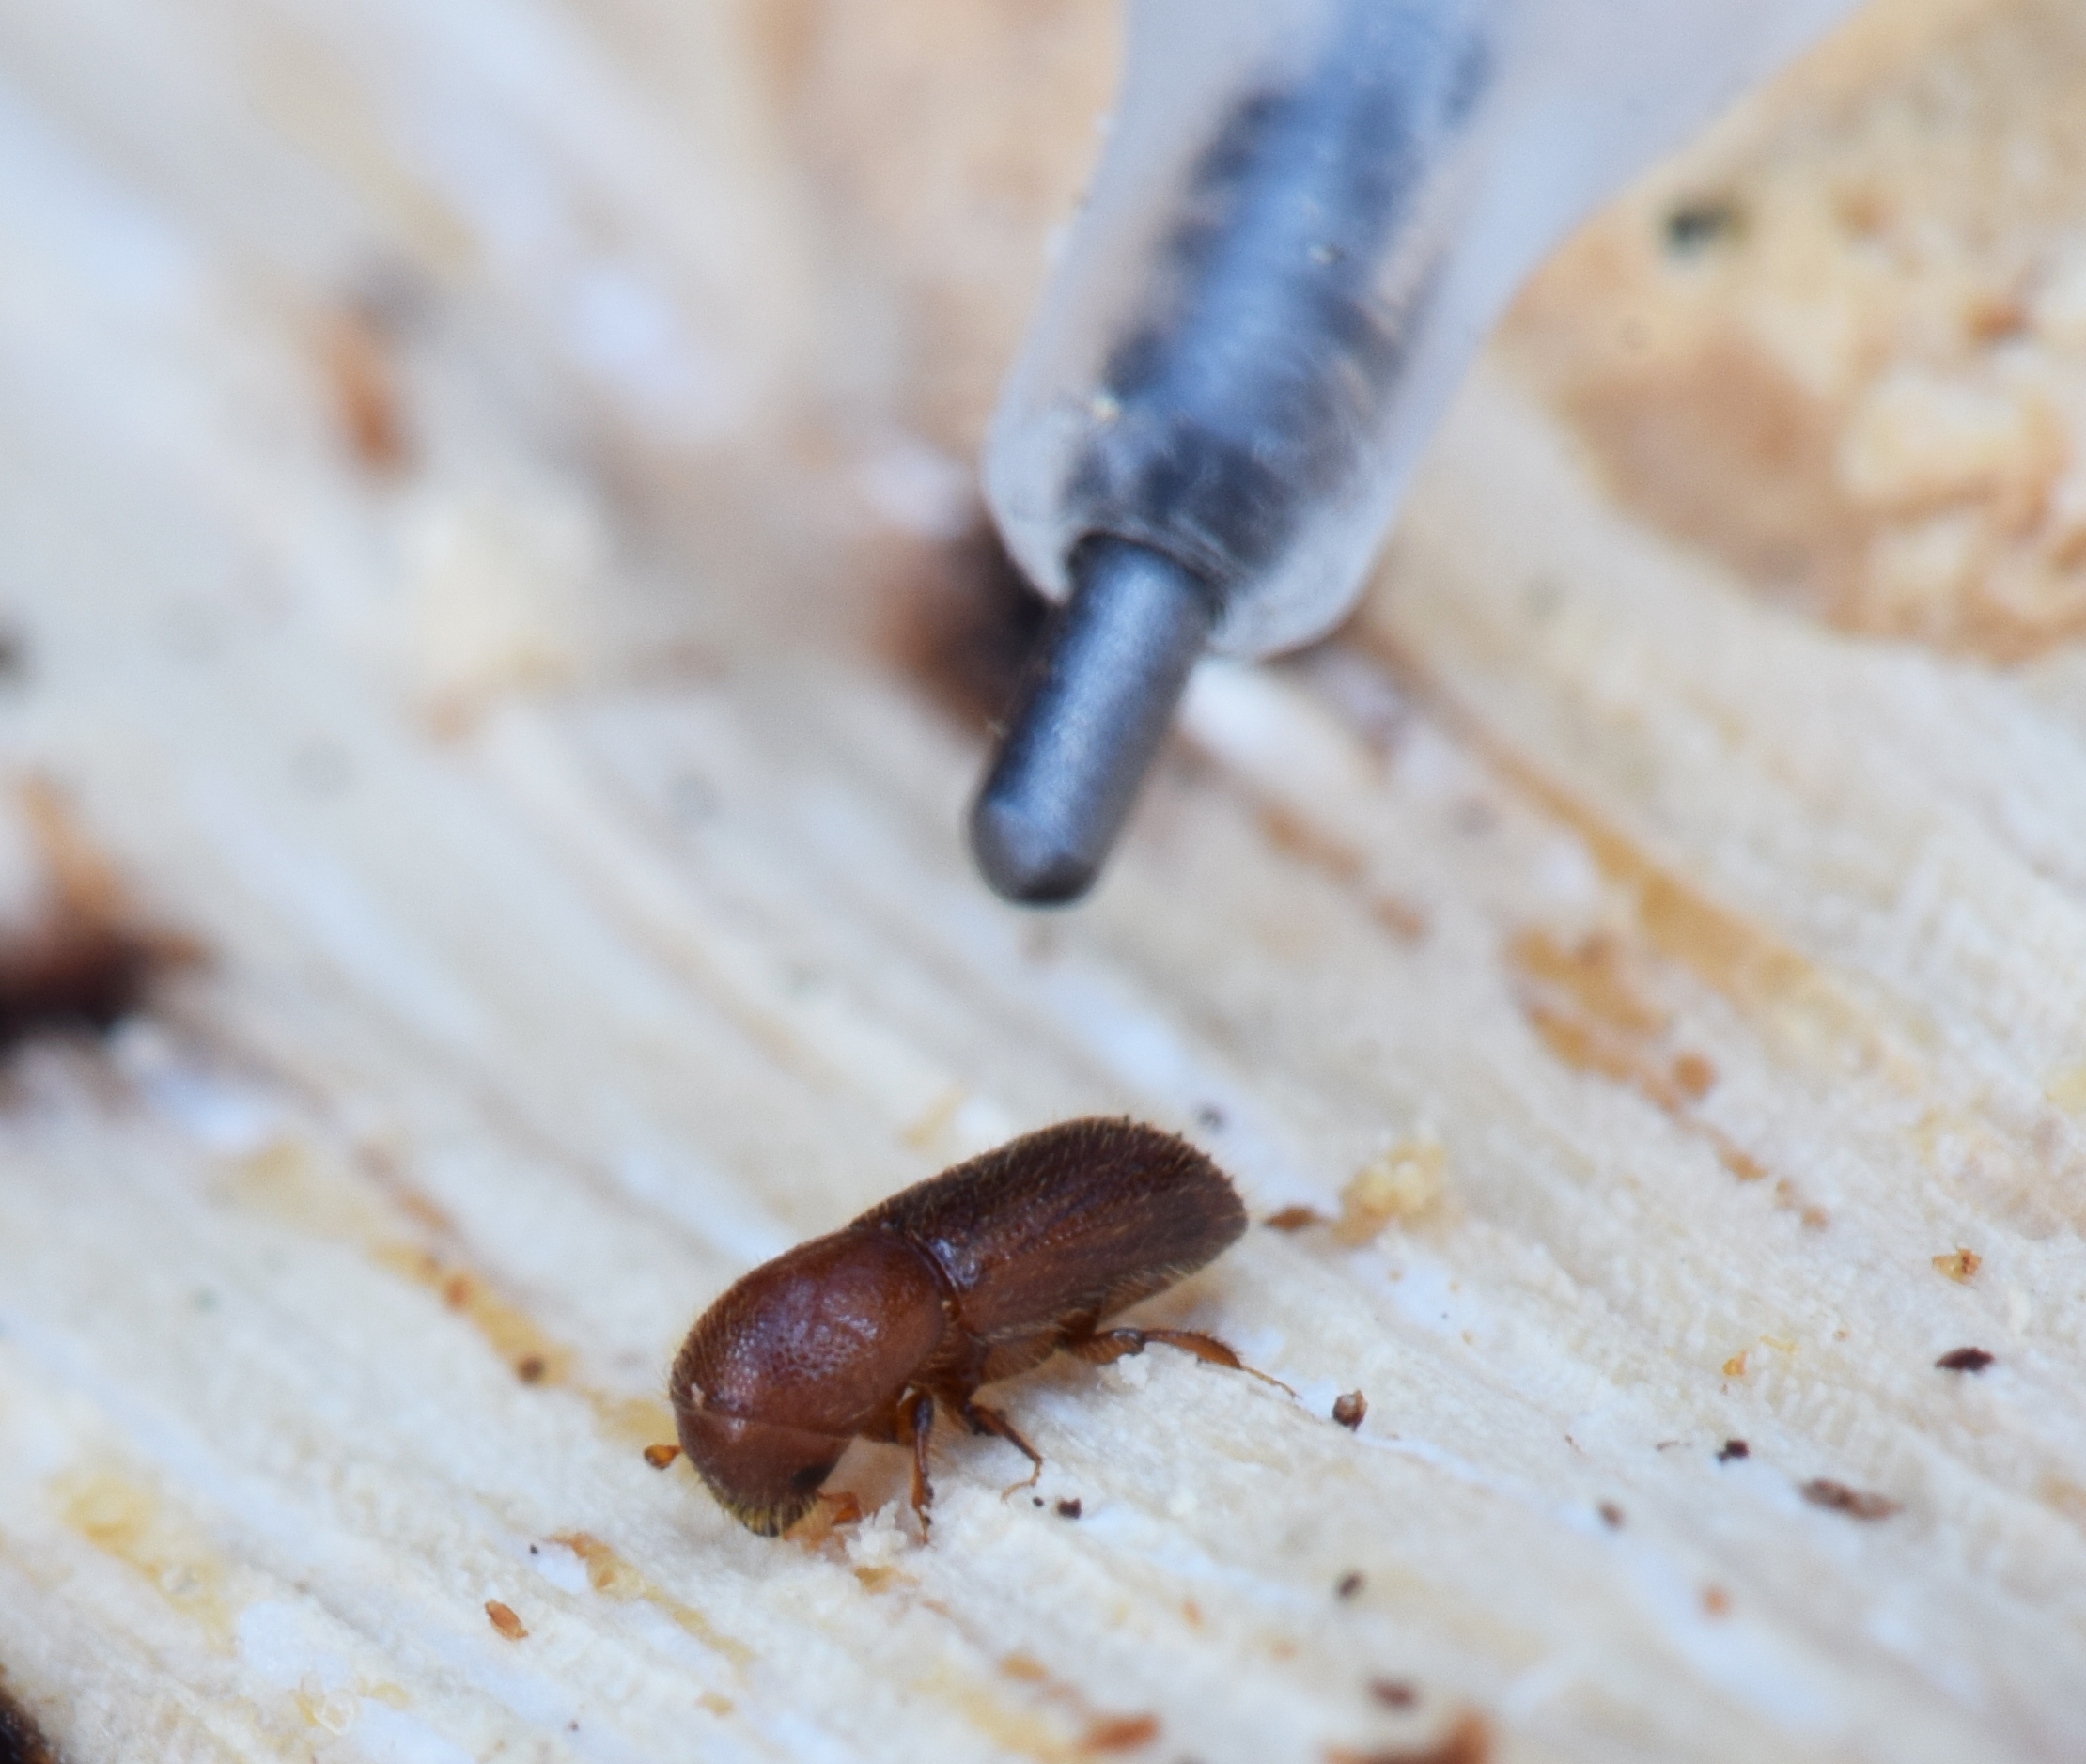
(1093, 713)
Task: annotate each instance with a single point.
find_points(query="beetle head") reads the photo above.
(796, 1359)
(764, 1476)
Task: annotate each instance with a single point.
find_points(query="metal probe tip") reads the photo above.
(1094, 710)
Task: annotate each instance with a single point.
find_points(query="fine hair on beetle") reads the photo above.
(971, 1276)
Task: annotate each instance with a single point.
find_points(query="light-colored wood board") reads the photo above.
(577, 865)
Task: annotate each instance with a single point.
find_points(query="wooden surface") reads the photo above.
(482, 491)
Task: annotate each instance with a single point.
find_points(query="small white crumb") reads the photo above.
(1401, 1181)
(878, 1541)
(337, 1711)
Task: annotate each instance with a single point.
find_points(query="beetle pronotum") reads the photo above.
(969, 1278)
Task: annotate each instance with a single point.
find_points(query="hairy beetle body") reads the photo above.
(971, 1276)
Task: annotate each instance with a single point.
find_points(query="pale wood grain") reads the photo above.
(586, 921)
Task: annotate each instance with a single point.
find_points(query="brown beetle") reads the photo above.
(970, 1277)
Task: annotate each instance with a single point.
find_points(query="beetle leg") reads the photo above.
(984, 1420)
(1107, 1348)
(1206, 1348)
(1111, 1345)
(915, 1416)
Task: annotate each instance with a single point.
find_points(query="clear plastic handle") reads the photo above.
(1308, 216)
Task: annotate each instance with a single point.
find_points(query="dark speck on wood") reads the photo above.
(22, 1740)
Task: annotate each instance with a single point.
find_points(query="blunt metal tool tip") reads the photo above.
(1094, 710)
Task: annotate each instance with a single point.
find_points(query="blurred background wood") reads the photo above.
(496, 623)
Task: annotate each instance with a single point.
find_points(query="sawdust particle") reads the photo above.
(1693, 1076)
(831, 1510)
(1120, 1733)
(1742, 1165)
(1403, 921)
(1836, 1497)
(1295, 1219)
(356, 351)
(1468, 1740)
(1403, 1181)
